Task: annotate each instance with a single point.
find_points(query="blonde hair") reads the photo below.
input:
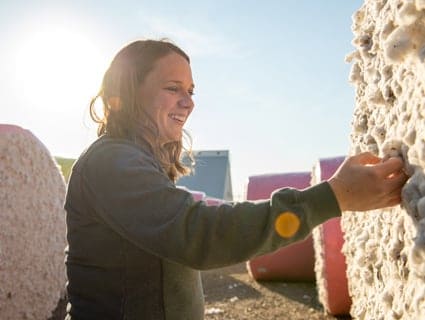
(131, 121)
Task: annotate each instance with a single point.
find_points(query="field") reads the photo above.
(65, 166)
(231, 294)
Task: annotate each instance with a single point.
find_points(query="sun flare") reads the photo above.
(58, 64)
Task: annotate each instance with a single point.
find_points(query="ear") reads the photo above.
(114, 103)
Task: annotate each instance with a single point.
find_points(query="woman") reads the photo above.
(136, 241)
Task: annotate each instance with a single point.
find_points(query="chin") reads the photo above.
(176, 137)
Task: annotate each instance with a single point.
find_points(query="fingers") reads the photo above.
(393, 201)
(365, 182)
(392, 189)
(396, 181)
(394, 198)
(391, 166)
(386, 200)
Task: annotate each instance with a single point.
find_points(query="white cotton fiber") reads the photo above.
(385, 249)
(32, 227)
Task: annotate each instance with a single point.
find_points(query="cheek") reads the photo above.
(155, 108)
(166, 106)
(158, 107)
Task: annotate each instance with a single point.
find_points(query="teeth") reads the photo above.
(177, 117)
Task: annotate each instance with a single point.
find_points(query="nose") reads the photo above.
(186, 101)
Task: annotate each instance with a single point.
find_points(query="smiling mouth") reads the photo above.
(177, 117)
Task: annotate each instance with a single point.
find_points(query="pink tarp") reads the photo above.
(338, 299)
(294, 262)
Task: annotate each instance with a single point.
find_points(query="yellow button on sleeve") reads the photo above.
(287, 224)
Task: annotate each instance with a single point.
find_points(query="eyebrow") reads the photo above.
(180, 82)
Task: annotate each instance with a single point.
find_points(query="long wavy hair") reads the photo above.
(131, 121)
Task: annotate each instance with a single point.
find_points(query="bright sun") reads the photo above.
(57, 64)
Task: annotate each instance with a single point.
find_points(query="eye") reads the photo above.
(172, 89)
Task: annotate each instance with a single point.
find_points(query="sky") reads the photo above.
(271, 80)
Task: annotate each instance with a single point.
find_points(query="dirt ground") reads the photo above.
(231, 294)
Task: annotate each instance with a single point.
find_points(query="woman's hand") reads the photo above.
(366, 182)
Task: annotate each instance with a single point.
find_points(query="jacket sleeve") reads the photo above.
(138, 201)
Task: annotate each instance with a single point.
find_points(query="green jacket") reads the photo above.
(136, 242)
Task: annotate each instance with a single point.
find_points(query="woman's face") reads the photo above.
(166, 94)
